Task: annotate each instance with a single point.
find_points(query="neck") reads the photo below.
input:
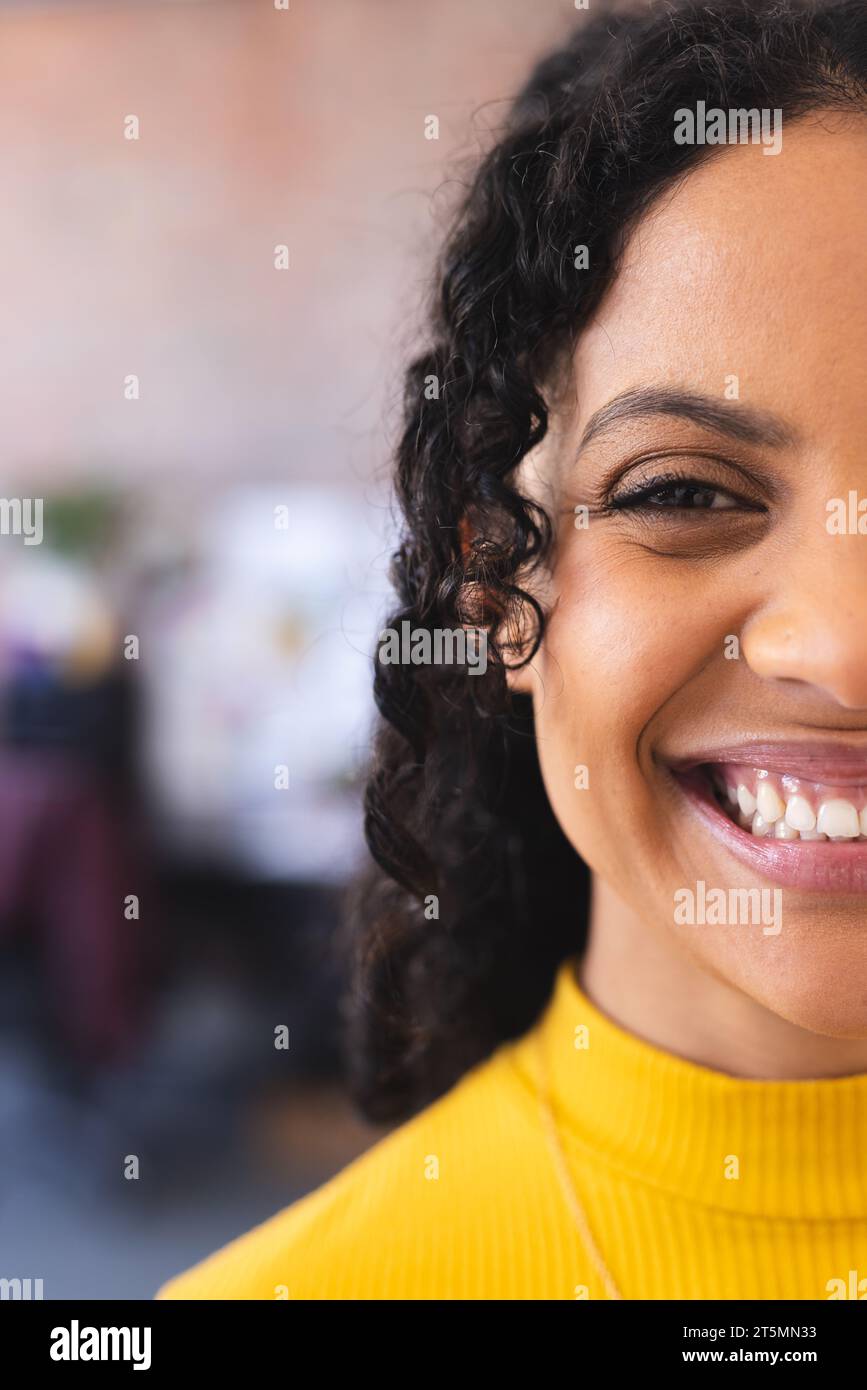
(649, 985)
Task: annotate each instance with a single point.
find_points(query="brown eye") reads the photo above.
(678, 494)
(689, 495)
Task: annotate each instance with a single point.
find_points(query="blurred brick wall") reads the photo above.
(155, 256)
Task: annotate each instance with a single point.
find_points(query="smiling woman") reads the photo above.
(611, 1096)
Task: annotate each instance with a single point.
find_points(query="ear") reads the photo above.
(520, 680)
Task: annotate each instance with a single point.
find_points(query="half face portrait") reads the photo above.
(434, 735)
(610, 962)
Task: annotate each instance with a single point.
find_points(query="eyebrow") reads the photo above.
(744, 423)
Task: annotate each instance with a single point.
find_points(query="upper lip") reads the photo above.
(835, 763)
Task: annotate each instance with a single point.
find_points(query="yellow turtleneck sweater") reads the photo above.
(694, 1185)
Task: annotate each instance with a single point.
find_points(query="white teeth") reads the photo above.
(838, 819)
(770, 806)
(769, 811)
(782, 831)
(800, 814)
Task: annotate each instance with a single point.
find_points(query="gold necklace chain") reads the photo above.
(573, 1201)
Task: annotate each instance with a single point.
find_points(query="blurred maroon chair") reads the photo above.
(65, 870)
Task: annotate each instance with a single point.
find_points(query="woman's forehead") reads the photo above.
(727, 270)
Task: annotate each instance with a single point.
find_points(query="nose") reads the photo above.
(813, 627)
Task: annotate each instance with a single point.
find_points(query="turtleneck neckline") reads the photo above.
(799, 1148)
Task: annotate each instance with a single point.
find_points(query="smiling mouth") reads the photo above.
(795, 818)
(786, 807)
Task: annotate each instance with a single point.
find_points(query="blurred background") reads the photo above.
(217, 227)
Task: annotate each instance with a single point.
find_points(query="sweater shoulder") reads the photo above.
(386, 1225)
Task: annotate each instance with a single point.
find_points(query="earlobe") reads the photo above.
(520, 680)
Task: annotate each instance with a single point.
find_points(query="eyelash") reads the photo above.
(640, 498)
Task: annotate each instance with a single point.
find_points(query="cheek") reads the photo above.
(624, 639)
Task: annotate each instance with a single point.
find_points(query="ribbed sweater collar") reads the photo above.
(799, 1148)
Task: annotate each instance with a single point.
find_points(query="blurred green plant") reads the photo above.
(81, 523)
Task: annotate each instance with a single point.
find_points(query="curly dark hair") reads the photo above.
(455, 807)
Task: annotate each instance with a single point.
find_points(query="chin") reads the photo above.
(814, 974)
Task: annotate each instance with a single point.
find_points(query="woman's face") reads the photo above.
(709, 623)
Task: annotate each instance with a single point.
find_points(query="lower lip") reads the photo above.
(815, 866)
